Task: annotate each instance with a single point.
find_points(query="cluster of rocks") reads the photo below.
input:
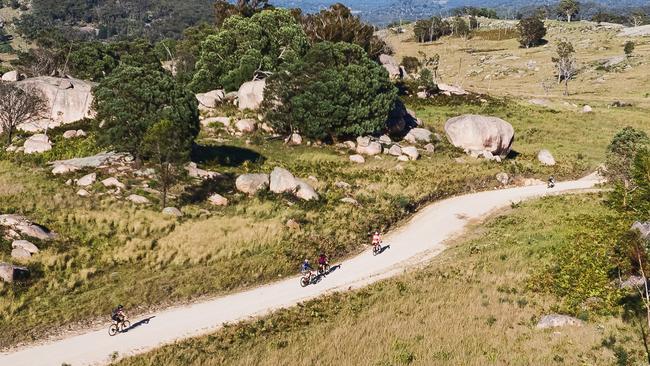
(371, 146)
(97, 161)
(17, 228)
(279, 181)
(69, 134)
(249, 96)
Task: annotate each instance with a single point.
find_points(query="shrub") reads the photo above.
(429, 30)
(411, 64)
(531, 32)
(628, 48)
(339, 24)
(246, 48)
(335, 90)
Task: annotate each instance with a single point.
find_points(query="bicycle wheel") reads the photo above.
(304, 281)
(125, 325)
(113, 329)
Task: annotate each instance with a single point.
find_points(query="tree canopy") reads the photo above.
(133, 98)
(531, 32)
(335, 90)
(339, 24)
(248, 48)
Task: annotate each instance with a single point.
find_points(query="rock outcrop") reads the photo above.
(476, 134)
(251, 94)
(207, 101)
(22, 225)
(38, 143)
(252, 183)
(68, 100)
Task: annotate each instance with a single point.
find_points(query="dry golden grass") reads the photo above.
(502, 68)
(470, 306)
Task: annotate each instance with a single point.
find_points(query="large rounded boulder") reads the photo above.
(476, 134)
(251, 94)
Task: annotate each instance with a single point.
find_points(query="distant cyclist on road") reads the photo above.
(118, 314)
(305, 267)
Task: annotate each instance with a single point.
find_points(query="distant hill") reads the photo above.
(381, 12)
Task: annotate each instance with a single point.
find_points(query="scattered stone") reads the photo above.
(587, 109)
(148, 172)
(546, 158)
(209, 100)
(557, 320)
(10, 76)
(20, 254)
(403, 158)
(481, 133)
(68, 182)
(83, 193)
(196, 172)
(430, 148)
(247, 125)
(10, 273)
(350, 145)
(373, 148)
(503, 178)
(266, 128)
(251, 94)
(218, 200)
(540, 102)
(357, 159)
(113, 182)
(363, 141)
(252, 183)
(417, 134)
(87, 180)
(281, 181)
(11, 148)
(172, 211)
(395, 150)
(342, 185)
(81, 133)
(25, 245)
(293, 224)
(294, 139)
(137, 199)
(450, 89)
(349, 200)
(38, 143)
(385, 139)
(305, 191)
(632, 282)
(70, 134)
(411, 152)
(64, 169)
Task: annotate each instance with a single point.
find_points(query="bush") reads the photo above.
(335, 90)
(628, 48)
(531, 32)
(411, 64)
(246, 48)
(339, 24)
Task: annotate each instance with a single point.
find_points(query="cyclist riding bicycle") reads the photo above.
(305, 267)
(376, 239)
(118, 314)
(322, 262)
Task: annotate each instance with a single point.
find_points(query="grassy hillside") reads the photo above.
(492, 62)
(470, 306)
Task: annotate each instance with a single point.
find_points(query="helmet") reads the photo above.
(376, 232)
(306, 260)
(120, 306)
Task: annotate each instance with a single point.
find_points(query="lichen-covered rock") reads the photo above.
(38, 143)
(218, 200)
(357, 159)
(558, 320)
(172, 211)
(411, 152)
(305, 191)
(87, 180)
(25, 245)
(546, 158)
(137, 199)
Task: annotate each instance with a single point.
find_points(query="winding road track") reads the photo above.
(418, 240)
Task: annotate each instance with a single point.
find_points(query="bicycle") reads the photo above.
(118, 327)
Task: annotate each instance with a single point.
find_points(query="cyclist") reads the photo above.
(118, 314)
(323, 262)
(551, 182)
(376, 239)
(306, 267)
